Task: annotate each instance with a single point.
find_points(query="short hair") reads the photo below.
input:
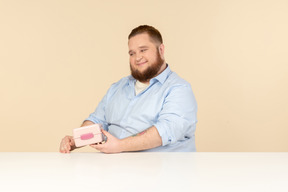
(153, 33)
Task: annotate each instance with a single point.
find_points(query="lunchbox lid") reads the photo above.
(87, 131)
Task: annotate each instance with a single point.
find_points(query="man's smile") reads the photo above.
(142, 63)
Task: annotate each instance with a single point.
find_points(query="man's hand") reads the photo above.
(112, 144)
(67, 144)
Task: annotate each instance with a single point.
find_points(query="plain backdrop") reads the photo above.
(59, 57)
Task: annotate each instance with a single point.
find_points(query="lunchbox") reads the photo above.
(88, 135)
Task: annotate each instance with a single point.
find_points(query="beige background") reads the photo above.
(58, 58)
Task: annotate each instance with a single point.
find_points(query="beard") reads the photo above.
(150, 72)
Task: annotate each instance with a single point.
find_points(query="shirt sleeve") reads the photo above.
(98, 116)
(178, 117)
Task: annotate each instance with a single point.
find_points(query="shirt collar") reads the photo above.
(161, 77)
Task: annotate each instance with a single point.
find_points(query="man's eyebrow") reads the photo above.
(141, 47)
(144, 46)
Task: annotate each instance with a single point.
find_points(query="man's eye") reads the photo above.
(131, 54)
(143, 50)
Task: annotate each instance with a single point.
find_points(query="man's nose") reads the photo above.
(139, 57)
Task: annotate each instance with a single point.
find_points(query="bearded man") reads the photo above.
(153, 109)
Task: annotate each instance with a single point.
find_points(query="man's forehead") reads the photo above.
(140, 41)
(140, 38)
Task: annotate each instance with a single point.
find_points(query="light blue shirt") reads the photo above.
(168, 103)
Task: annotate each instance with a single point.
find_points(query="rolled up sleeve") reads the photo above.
(178, 117)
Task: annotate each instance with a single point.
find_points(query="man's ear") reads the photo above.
(161, 50)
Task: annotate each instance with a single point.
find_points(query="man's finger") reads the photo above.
(62, 146)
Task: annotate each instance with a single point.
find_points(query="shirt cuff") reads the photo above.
(163, 134)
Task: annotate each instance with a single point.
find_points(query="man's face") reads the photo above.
(146, 58)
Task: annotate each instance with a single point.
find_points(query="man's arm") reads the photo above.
(147, 139)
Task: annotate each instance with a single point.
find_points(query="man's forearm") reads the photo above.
(147, 139)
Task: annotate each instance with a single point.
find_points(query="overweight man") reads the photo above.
(153, 109)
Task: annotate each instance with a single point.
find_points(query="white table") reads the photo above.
(144, 172)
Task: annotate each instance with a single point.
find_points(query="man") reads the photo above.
(151, 110)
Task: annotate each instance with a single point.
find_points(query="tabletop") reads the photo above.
(198, 171)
